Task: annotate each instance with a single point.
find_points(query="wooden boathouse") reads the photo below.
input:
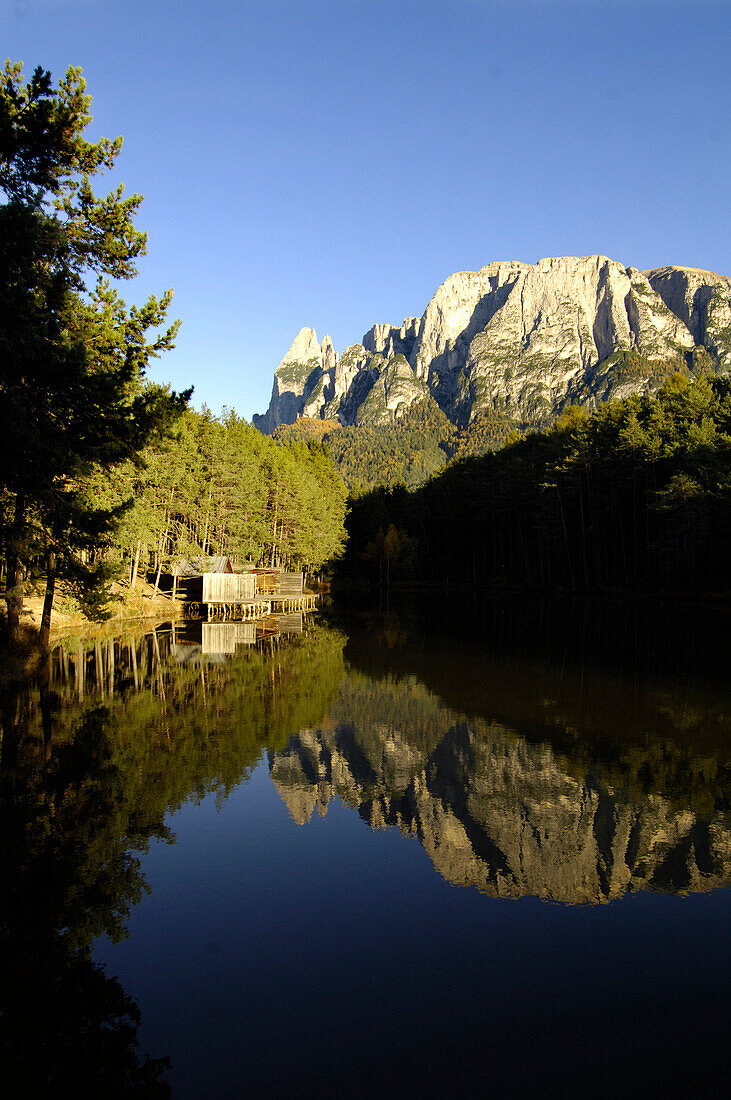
(210, 589)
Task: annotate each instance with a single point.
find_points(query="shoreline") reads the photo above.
(26, 658)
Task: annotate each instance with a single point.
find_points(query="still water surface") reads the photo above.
(392, 853)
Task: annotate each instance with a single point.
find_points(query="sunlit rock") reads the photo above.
(524, 339)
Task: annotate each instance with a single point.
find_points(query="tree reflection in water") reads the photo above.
(560, 754)
(94, 755)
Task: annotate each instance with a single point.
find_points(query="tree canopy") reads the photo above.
(219, 486)
(635, 494)
(408, 452)
(73, 355)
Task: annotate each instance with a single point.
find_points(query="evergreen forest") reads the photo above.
(408, 452)
(634, 495)
(217, 486)
(105, 472)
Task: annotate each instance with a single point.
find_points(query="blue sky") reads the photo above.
(330, 162)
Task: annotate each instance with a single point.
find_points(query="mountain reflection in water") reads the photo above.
(574, 784)
(571, 754)
(494, 811)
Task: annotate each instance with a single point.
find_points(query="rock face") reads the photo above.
(702, 300)
(550, 341)
(386, 340)
(295, 378)
(525, 339)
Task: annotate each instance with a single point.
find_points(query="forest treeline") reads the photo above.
(423, 441)
(637, 493)
(218, 486)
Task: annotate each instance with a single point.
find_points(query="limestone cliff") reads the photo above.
(702, 300)
(526, 339)
(295, 378)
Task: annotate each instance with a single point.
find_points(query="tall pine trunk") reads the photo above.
(274, 533)
(157, 578)
(15, 570)
(135, 566)
(45, 633)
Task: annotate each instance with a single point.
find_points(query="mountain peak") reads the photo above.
(304, 346)
(524, 339)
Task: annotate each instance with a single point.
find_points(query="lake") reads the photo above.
(421, 848)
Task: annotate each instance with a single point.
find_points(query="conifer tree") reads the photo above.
(73, 355)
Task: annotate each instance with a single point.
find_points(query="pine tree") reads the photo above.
(73, 395)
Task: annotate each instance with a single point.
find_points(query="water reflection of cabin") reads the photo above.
(205, 642)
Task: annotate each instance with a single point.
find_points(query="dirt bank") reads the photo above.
(68, 616)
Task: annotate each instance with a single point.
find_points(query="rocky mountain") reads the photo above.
(523, 339)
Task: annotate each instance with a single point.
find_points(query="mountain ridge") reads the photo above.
(521, 339)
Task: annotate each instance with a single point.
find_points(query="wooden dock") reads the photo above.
(305, 602)
(247, 610)
(241, 610)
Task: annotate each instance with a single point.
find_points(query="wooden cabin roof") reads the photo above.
(195, 567)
